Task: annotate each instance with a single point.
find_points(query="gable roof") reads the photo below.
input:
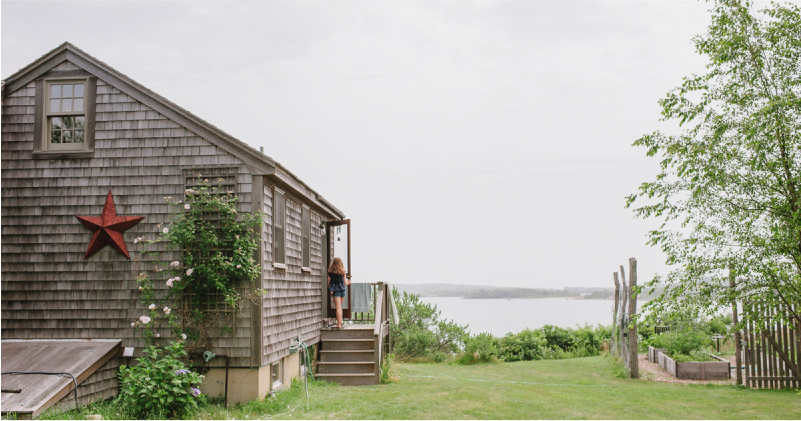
(257, 162)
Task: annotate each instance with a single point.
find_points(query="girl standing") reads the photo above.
(336, 286)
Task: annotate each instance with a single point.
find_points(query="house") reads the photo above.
(74, 130)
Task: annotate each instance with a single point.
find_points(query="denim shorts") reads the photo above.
(339, 293)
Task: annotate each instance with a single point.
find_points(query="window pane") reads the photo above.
(66, 136)
(55, 123)
(77, 104)
(78, 90)
(77, 136)
(55, 136)
(55, 91)
(79, 122)
(55, 105)
(66, 105)
(66, 91)
(69, 122)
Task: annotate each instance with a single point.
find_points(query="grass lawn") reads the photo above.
(572, 388)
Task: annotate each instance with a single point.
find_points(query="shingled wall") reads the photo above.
(49, 290)
(292, 305)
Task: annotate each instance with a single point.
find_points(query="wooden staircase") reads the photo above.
(352, 356)
(347, 356)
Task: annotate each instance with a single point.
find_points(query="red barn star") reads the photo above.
(108, 229)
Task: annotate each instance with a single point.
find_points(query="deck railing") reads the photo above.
(381, 329)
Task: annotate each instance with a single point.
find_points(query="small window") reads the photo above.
(65, 122)
(279, 218)
(276, 375)
(306, 228)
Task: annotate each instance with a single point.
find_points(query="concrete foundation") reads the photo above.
(247, 384)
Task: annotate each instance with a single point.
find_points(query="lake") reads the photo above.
(499, 317)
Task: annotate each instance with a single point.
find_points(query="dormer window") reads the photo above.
(66, 119)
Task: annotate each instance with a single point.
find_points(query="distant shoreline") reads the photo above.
(486, 292)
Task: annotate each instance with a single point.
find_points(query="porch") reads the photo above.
(353, 355)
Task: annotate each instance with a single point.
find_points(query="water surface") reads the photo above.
(499, 317)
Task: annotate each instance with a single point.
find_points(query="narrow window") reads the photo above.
(279, 216)
(66, 118)
(306, 234)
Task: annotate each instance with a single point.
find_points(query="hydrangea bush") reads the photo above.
(159, 386)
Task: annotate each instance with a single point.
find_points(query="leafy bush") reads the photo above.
(526, 345)
(420, 333)
(682, 342)
(160, 386)
(481, 348)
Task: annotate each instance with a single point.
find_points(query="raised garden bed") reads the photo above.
(695, 370)
(653, 354)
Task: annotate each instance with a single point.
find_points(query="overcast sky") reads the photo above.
(469, 142)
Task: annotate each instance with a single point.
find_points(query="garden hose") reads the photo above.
(307, 364)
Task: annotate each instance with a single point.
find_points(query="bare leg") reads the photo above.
(338, 303)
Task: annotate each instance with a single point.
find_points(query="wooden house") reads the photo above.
(127, 139)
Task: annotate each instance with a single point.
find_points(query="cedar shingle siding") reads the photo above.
(292, 305)
(50, 292)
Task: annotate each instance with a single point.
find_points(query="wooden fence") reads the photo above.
(772, 347)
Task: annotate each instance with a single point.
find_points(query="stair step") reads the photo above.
(349, 379)
(347, 355)
(338, 367)
(347, 334)
(348, 344)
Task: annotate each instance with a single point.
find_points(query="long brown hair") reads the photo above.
(337, 267)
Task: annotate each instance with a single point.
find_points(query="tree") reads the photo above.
(729, 190)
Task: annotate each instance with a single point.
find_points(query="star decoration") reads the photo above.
(108, 229)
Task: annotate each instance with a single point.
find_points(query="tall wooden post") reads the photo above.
(613, 348)
(633, 362)
(623, 319)
(737, 340)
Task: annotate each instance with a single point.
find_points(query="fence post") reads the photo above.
(633, 345)
(615, 327)
(737, 343)
(623, 318)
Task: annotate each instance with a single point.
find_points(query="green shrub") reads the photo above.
(527, 345)
(481, 348)
(160, 385)
(681, 342)
(420, 333)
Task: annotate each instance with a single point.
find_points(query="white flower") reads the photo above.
(186, 206)
(141, 289)
(167, 310)
(175, 264)
(144, 319)
(165, 230)
(169, 282)
(238, 266)
(183, 335)
(189, 271)
(136, 240)
(133, 324)
(157, 335)
(177, 278)
(151, 307)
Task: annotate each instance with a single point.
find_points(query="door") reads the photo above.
(339, 246)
